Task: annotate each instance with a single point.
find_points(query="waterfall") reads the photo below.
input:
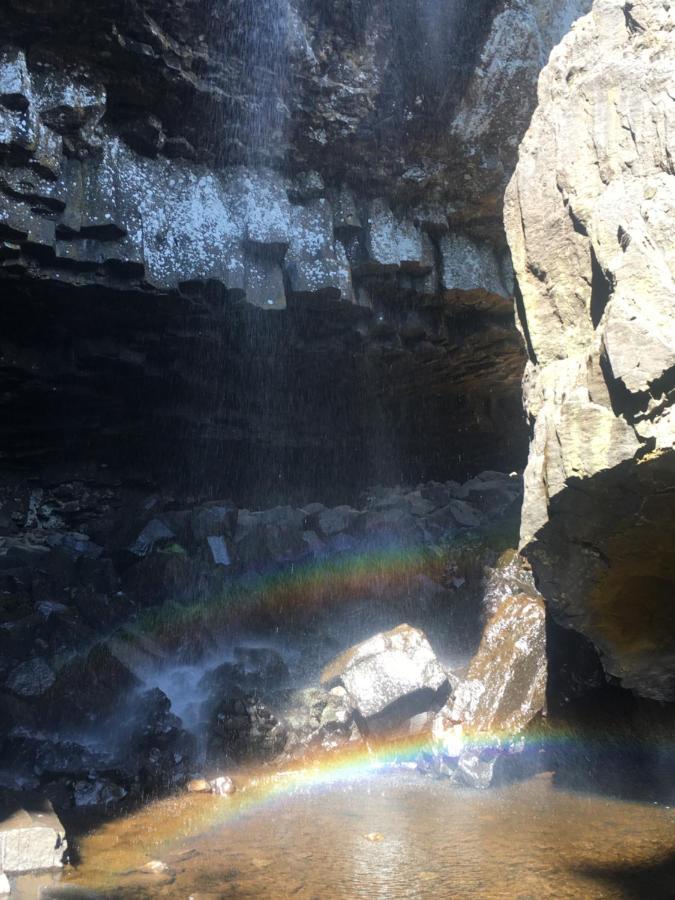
(262, 32)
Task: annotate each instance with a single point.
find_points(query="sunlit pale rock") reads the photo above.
(223, 786)
(386, 668)
(32, 839)
(589, 219)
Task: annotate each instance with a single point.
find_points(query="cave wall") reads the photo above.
(589, 216)
(260, 250)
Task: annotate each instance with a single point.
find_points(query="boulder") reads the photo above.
(339, 518)
(97, 792)
(214, 519)
(464, 514)
(270, 535)
(392, 525)
(88, 688)
(264, 664)
(156, 746)
(31, 838)
(387, 668)
(244, 729)
(317, 719)
(505, 685)
(48, 758)
(502, 691)
(31, 678)
(153, 533)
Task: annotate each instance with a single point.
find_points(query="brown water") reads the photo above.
(393, 836)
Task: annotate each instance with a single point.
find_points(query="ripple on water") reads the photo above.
(387, 837)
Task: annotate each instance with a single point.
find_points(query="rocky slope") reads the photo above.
(589, 220)
(115, 604)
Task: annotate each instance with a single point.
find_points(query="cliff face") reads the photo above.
(169, 169)
(589, 221)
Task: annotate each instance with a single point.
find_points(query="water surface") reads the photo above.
(387, 836)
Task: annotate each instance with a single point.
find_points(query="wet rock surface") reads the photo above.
(159, 166)
(172, 607)
(588, 217)
(504, 686)
(396, 667)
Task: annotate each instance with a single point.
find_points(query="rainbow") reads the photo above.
(313, 583)
(362, 761)
(161, 829)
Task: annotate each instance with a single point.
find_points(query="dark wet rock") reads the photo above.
(222, 679)
(317, 719)
(244, 729)
(441, 522)
(441, 494)
(49, 757)
(97, 792)
(464, 514)
(153, 533)
(418, 504)
(386, 669)
(315, 546)
(216, 519)
(263, 663)
(339, 518)
(170, 575)
(31, 838)
(574, 666)
(241, 721)
(254, 671)
(157, 747)
(270, 535)
(88, 688)
(31, 679)
(393, 524)
(493, 494)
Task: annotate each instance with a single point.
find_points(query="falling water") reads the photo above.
(262, 34)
